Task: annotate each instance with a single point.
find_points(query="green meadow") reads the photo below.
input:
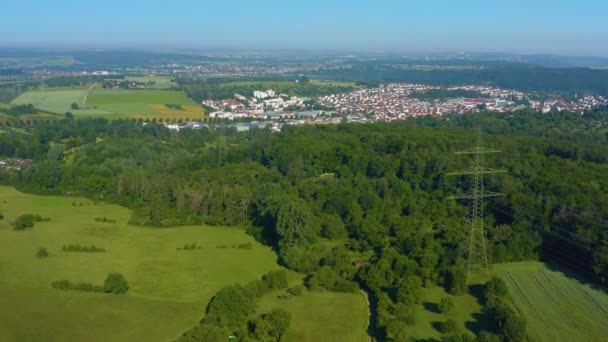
(59, 101)
(557, 307)
(123, 101)
(169, 288)
(321, 316)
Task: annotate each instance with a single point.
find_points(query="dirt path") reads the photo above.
(84, 100)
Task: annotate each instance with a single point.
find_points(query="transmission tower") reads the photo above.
(478, 258)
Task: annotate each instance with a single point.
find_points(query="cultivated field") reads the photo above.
(558, 308)
(322, 316)
(145, 103)
(169, 288)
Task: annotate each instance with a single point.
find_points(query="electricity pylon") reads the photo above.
(478, 258)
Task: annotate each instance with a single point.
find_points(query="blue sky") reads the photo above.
(533, 26)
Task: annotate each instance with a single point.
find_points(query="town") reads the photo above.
(385, 103)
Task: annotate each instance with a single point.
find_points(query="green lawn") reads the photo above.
(58, 101)
(169, 289)
(322, 316)
(557, 307)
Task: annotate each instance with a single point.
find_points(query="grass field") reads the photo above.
(557, 307)
(322, 316)
(58, 101)
(168, 292)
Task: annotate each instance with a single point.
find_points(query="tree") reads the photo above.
(230, 306)
(55, 152)
(273, 325)
(409, 290)
(115, 283)
(456, 281)
(74, 105)
(69, 115)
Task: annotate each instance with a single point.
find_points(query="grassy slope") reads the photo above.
(558, 308)
(169, 288)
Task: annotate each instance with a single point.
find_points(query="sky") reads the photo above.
(533, 26)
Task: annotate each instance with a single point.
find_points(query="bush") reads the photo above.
(27, 221)
(115, 283)
(296, 290)
(189, 247)
(42, 252)
(104, 219)
(246, 245)
(448, 326)
(1, 216)
(84, 249)
(275, 280)
(62, 285)
(446, 305)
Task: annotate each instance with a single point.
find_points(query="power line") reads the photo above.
(478, 258)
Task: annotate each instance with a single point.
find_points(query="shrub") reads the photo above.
(42, 252)
(27, 221)
(84, 249)
(189, 247)
(62, 285)
(1, 216)
(296, 290)
(115, 283)
(246, 245)
(448, 326)
(275, 280)
(104, 220)
(446, 305)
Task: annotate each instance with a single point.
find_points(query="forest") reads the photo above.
(525, 77)
(325, 197)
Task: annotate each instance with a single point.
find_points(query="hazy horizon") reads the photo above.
(542, 27)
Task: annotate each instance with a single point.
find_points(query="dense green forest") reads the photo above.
(523, 77)
(327, 196)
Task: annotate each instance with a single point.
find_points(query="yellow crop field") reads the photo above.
(161, 111)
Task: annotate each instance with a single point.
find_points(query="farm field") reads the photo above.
(557, 307)
(169, 288)
(322, 316)
(145, 103)
(58, 101)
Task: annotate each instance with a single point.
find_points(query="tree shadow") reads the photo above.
(476, 291)
(437, 326)
(428, 340)
(481, 320)
(432, 307)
